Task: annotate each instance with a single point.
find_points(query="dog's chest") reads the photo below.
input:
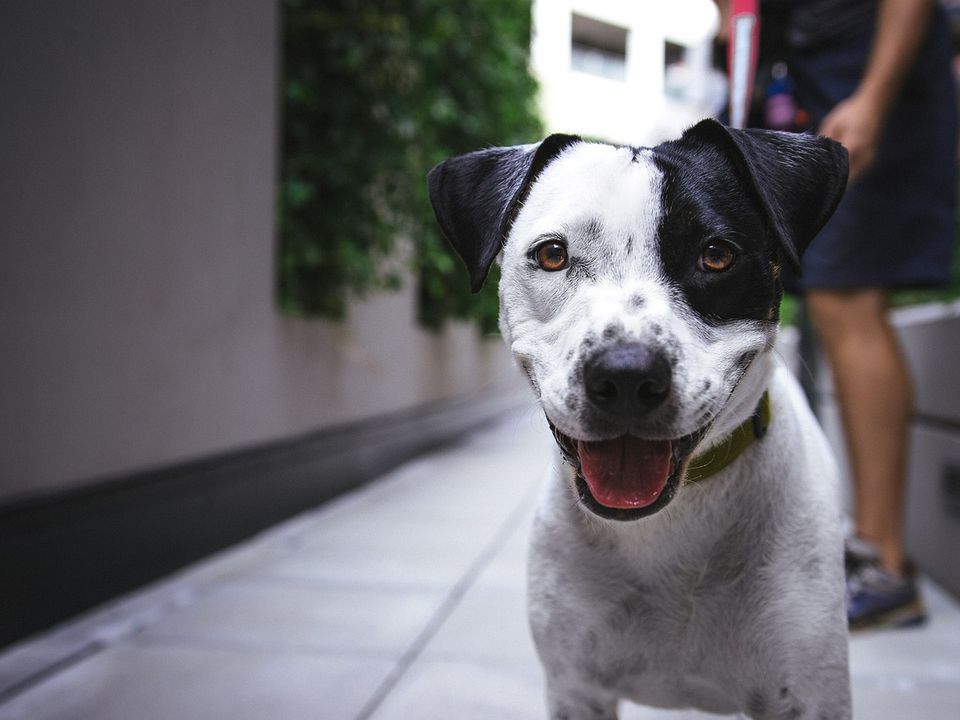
(658, 631)
(663, 648)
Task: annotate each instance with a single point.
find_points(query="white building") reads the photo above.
(632, 72)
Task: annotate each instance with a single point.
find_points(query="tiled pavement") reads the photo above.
(401, 601)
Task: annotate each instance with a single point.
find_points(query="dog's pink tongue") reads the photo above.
(627, 472)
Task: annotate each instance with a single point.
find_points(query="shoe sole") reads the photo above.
(912, 614)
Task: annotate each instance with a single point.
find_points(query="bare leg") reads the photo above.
(874, 389)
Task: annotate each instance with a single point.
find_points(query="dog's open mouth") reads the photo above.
(627, 478)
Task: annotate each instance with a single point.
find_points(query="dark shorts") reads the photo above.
(895, 226)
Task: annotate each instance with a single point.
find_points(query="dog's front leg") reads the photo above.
(567, 703)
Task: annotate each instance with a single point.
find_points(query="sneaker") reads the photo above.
(856, 553)
(876, 598)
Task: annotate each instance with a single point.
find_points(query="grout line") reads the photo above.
(249, 649)
(48, 671)
(447, 607)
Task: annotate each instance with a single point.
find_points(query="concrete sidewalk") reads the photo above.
(401, 601)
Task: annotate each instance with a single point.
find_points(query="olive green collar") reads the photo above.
(715, 459)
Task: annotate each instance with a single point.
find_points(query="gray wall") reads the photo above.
(137, 168)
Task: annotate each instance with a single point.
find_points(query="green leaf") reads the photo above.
(374, 94)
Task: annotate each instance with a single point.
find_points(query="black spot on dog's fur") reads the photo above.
(704, 205)
(757, 703)
(790, 708)
(597, 710)
(813, 568)
(591, 230)
(743, 362)
(609, 673)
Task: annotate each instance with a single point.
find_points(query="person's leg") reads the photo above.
(874, 390)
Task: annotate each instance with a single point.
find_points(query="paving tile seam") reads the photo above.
(327, 585)
(924, 681)
(353, 585)
(476, 658)
(49, 670)
(191, 641)
(187, 642)
(100, 629)
(450, 603)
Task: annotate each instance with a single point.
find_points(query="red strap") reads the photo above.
(743, 49)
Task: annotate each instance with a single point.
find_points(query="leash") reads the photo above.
(742, 53)
(717, 458)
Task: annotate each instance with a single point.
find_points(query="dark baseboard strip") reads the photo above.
(62, 554)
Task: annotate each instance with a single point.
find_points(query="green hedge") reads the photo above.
(376, 93)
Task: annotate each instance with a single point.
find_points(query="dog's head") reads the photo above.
(638, 285)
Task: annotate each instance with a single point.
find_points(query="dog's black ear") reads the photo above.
(476, 197)
(797, 179)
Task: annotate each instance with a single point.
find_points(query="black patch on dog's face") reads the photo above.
(705, 201)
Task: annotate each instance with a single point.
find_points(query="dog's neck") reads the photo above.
(707, 464)
(742, 404)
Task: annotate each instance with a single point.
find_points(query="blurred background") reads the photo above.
(223, 299)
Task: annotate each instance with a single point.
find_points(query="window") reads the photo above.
(672, 53)
(598, 48)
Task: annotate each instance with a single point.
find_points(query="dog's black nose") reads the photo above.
(627, 379)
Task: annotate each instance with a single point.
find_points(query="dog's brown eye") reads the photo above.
(551, 255)
(717, 256)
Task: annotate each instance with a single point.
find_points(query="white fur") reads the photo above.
(730, 599)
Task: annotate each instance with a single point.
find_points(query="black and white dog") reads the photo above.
(687, 550)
